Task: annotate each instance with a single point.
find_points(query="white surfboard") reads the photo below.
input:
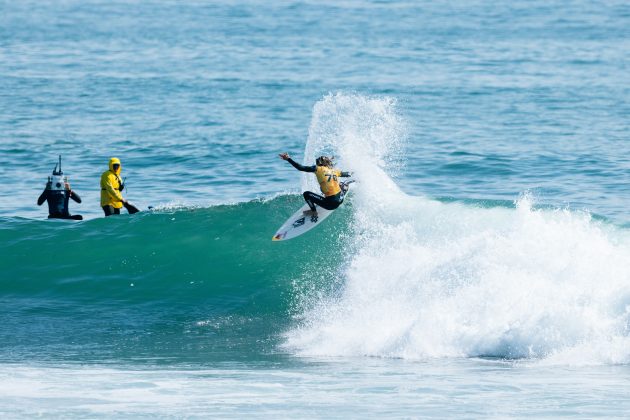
(301, 222)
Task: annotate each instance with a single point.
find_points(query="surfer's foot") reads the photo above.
(312, 214)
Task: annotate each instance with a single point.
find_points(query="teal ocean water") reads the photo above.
(479, 268)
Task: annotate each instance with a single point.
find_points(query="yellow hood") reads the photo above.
(113, 161)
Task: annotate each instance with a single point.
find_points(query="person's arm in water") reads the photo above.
(42, 198)
(285, 156)
(75, 196)
(345, 174)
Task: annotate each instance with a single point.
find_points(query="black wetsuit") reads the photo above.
(329, 203)
(58, 203)
(109, 210)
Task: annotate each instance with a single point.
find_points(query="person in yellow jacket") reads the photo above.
(111, 186)
(328, 178)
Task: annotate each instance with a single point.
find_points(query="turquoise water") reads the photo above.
(479, 267)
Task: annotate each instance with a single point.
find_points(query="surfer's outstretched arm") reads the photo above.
(345, 174)
(301, 167)
(285, 156)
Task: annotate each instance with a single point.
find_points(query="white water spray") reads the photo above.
(428, 279)
(365, 135)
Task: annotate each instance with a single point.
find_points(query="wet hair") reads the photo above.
(324, 161)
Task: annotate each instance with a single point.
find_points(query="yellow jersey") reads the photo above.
(328, 179)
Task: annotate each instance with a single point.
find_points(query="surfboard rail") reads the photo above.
(302, 221)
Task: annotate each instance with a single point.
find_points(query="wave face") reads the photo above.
(187, 284)
(427, 279)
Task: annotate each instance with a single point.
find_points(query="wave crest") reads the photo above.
(428, 279)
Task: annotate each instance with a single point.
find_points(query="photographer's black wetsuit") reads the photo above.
(58, 203)
(329, 202)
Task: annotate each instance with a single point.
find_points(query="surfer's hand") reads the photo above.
(284, 156)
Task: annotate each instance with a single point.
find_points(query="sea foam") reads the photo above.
(426, 279)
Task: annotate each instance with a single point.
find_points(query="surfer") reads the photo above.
(328, 178)
(58, 194)
(111, 187)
